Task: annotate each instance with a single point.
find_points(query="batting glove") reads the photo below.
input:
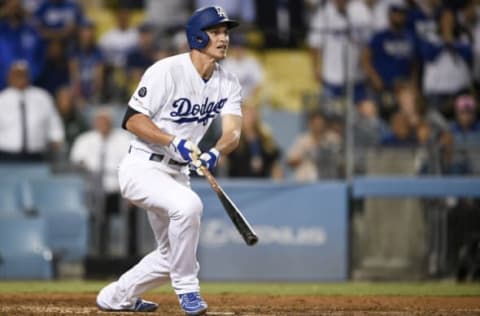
(207, 159)
(187, 150)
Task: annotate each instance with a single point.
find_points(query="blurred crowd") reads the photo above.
(412, 68)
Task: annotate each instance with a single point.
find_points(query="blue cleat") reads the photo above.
(192, 304)
(141, 306)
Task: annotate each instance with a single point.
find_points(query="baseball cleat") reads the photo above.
(141, 306)
(192, 304)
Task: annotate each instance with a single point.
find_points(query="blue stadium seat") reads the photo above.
(285, 126)
(23, 250)
(61, 193)
(61, 201)
(24, 170)
(11, 198)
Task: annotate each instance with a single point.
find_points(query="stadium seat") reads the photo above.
(24, 170)
(284, 125)
(65, 193)
(23, 250)
(61, 201)
(288, 76)
(11, 198)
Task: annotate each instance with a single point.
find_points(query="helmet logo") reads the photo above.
(220, 12)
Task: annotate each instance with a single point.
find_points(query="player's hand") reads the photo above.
(207, 159)
(187, 149)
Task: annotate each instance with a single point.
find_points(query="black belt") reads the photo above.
(160, 158)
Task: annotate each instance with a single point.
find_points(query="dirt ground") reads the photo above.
(249, 305)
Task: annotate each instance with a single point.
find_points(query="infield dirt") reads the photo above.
(250, 305)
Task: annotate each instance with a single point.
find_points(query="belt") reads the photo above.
(157, 157)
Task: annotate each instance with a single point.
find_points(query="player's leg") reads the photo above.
(155, 190)
(184, 213)
(151, 272)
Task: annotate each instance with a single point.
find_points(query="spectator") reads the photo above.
(115, 45)
(423, 19)
(316, 153)
(368, 126)
(18, 41)
(31, 6)
(368, 130)
(447, 63)
(409, 103)
(165, 15)
(86, 66)
(180, 42)
(245, 67)
(120, 40)
(337, 28)
(476, 53)
(99, 153)
(466, 127)
(377, 13)
(143, 56)
(402, 134)
(389, 58)
(55, 72)
(257, 155)
(281, 22)
(59, 19)
(74, 122)
(29, 123)
(242, 10)
(469, 23)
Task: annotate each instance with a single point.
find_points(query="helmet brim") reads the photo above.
(229, 23)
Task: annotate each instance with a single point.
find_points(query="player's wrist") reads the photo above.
(215, 152)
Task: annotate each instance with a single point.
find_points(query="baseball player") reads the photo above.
(174, 104)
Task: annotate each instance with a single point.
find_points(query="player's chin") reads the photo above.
(220, 56)
(220, 53)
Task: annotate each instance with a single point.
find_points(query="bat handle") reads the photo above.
(210, 178)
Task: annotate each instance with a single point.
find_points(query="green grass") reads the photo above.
(347, 288)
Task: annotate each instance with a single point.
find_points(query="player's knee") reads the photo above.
(190, 207)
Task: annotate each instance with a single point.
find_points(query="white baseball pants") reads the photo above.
(174, 213)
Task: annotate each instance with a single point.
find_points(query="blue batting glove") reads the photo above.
(207, 159)
(186, 149)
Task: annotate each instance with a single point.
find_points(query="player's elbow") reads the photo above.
(127, 121)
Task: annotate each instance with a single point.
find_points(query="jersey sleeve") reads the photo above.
(234, 101)
(151, 92)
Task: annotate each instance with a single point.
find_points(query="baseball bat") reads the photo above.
(240, 222)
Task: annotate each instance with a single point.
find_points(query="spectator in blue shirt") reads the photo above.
(139, 59)
(389, 59)
(59, 19)
(466, 135)
(55, 73)
(402, 134)
(466, 127)
(18, 41)
(423, 19)
(86, 65)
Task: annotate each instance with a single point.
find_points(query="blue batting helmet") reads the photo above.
(203, 19)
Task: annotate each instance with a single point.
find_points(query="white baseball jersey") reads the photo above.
(181, 103)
